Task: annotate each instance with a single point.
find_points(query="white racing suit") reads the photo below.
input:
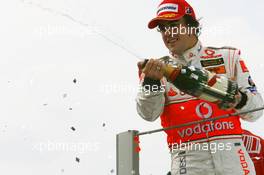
(207, 148)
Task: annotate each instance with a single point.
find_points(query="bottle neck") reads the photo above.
(171, 72)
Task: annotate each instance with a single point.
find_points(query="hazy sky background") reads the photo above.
(44, 50)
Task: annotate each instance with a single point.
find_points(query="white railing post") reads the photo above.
(127, 153)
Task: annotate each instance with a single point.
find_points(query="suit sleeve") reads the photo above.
(150, 99)
(253, 98)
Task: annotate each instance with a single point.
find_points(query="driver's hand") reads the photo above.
(154, 69)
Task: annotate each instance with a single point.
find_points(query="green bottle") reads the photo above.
(202, 84)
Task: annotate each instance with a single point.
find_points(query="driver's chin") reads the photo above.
(174, 47)
(174, 50)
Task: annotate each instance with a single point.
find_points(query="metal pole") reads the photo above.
(127, 155)
(202, 121)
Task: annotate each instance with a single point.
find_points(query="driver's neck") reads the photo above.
(193, 42)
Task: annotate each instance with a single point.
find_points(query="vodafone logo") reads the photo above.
(204, 110)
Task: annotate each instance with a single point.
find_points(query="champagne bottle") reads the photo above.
(202, 84)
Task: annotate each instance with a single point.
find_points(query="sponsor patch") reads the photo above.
(212, 62)
(169, 7)
(252, 87)
(188, 10)
(210, 54)
(217, 70)
(243, 66)
(170, 15)
(172, 92)
(183, 162)
(243, 162)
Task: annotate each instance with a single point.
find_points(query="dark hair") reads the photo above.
(191, 22)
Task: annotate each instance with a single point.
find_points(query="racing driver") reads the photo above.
(160, 98)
